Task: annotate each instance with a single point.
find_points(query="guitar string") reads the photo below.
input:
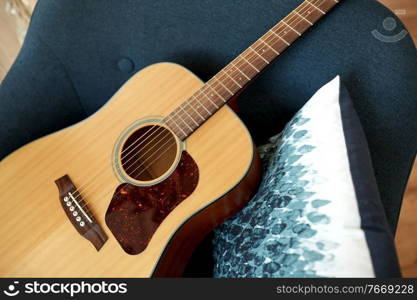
(175, 143)
(173, 115)
(190, 106)
(304, 5)
(78, 190)
(231, 76)
(190, 116)
(155, 131)
(166, 141)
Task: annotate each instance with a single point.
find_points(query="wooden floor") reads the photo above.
(9, 43)
(407, 11)
(406, 236)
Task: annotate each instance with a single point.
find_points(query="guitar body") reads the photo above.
(133, 189)
(210, 176)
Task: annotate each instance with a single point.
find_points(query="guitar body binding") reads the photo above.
(38, 238)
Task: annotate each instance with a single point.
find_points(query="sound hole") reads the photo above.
(148, 153)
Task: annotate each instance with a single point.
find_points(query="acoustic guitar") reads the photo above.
(132, 190)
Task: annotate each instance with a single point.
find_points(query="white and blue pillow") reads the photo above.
(318, 211)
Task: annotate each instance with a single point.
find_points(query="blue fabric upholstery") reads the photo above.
(78, 53)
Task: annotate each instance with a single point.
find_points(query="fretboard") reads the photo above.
(191, 114)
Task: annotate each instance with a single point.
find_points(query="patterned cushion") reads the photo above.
(317, 212)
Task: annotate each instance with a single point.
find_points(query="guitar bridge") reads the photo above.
(78, 213)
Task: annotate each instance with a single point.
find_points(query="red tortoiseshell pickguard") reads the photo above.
(135, 212)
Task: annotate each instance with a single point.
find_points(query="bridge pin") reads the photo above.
(82, 224)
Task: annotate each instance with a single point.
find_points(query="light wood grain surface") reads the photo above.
(45, 244)
(9, 43)
(406, 236)
(407, 11)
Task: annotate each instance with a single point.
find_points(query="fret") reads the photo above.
(228, 75)
(197, 112)
(280, 37)
(264, 51)
(320, 10)
(223, 85)
(244, 58)
(311, 14)
(235, 75)
(240, 71)
(253, 50)
(295, 11)
(270, 47)
(183, 120)
(326, 5)
(292, 28)
(189, 116)
(209, 105)
(245, 67)
(186, 118)
(297, 21)
(209, 85)
(203, 106)
(181, 130)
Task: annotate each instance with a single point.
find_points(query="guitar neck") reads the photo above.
(185, 119)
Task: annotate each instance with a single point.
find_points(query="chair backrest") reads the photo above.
(93, 47)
